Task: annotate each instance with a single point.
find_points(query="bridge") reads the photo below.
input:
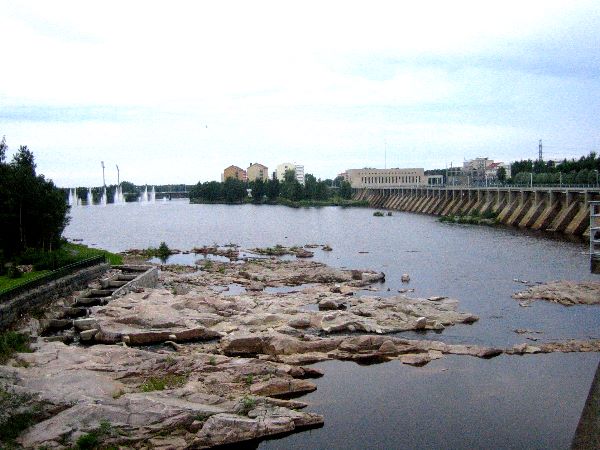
(552, 208)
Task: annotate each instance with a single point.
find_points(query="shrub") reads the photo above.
(14, 272)
(163, 251)
(161, 383)
(11, 342)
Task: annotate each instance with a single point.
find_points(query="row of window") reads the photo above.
(387, 180)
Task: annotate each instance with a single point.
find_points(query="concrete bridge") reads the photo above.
(561, 209)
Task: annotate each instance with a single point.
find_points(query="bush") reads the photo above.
(14, 272)
(10, 343)
(163, 251)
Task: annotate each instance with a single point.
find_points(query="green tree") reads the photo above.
(33, 211)
(273, 188)
(345, 190)
(310, 186)
(322, 191)
(234, 190)
(501, 174)
(259, 189)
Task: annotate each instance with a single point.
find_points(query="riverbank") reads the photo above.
(212, 355)
(291, 203)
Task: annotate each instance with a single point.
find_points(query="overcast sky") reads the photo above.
(173, 92)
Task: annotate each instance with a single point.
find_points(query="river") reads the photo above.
(456, 402)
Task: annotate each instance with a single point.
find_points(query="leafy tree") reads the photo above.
(33, 212)
(234, 190)
(345, 190)
(310, 186)
(259, 189)
(273, 188)
(322, 191)
(501, 174)
(3, 149)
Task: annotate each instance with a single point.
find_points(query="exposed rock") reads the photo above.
(564, 292)
(277, 387)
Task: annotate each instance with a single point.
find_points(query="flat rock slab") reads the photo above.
(566, 293)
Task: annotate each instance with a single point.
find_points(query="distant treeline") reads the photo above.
(574, 171)
(271, 191)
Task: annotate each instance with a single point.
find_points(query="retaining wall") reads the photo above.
(12, 310)
(147, 278)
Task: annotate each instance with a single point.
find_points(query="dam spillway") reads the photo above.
(557, 209)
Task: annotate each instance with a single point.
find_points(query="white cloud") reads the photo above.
(323, 83)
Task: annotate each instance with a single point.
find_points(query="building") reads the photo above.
(234, 172)
(282, 168)
(386, 178)
(257, 171)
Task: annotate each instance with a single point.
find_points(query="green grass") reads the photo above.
(83, 252)
(9, 283)
(10, 343)
(168, 381)
(15, 417)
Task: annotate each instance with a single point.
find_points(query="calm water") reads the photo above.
(457, 402)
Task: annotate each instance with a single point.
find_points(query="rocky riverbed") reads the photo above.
(564, 292)
(217, 353)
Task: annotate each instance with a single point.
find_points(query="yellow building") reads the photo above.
(234, 172)
(258, 171)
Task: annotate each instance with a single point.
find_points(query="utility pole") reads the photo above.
(540, 156)
(103, 180)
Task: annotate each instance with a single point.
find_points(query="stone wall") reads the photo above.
(15, 308)
(147, 278)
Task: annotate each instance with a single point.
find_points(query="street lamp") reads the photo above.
(103, 180)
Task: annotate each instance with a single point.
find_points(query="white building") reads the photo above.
(282, 168)
(386, 178)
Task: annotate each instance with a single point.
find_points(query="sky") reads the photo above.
(174, 92)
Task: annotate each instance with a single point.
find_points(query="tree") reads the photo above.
(3, 149)
(273, 188)
(346, 190)
(33, 211)
(310, 186)
(258, 189)
(234, 190)
(501, 174)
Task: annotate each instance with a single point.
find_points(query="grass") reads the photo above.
(247, 404)
(93, 439)
(14, 417)
(83, 252)
(68, 253)
(168, 381)
(9, 283)
(10, 343)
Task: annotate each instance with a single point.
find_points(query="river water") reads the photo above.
(456, 402)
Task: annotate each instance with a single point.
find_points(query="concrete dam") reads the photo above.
(558, 209)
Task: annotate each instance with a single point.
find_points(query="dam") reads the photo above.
(557, 209)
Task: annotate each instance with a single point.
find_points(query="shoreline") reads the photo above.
(213, 354)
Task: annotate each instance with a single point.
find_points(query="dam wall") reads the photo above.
(565, 210)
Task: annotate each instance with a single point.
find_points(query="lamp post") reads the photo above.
(531, 179)
(103, 180)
